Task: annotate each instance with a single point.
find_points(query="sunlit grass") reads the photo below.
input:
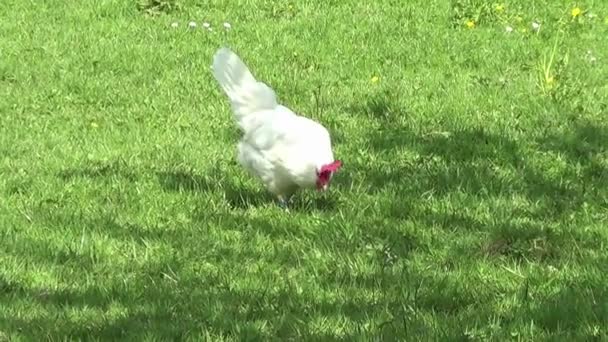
(472, 204)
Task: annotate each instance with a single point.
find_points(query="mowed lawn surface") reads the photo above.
(472, 204)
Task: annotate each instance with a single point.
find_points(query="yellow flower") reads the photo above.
(470, 24)
(375, 79)
(576, 12)
(499, 8)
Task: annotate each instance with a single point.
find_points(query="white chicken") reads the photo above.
(286, 151)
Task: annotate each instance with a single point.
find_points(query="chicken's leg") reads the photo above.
(283, 203)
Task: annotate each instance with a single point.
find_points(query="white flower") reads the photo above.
(206, 25)
(227, 26)
(192, 24)
(535, 26)
(174, 24)
(508, 29)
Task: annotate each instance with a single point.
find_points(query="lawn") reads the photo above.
(472, 205)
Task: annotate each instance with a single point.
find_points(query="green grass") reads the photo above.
(472, 204)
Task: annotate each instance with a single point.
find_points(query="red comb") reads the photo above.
(333, 167)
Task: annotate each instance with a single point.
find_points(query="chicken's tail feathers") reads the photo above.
(246, 94)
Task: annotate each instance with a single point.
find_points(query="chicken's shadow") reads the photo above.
(238, 196)
(311, 202)
(184, 182)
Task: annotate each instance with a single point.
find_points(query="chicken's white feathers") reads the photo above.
(283, 149)
(246, 94)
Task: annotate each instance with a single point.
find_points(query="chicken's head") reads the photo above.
(325, 173)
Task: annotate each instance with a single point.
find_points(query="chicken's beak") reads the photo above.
(325, 186)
